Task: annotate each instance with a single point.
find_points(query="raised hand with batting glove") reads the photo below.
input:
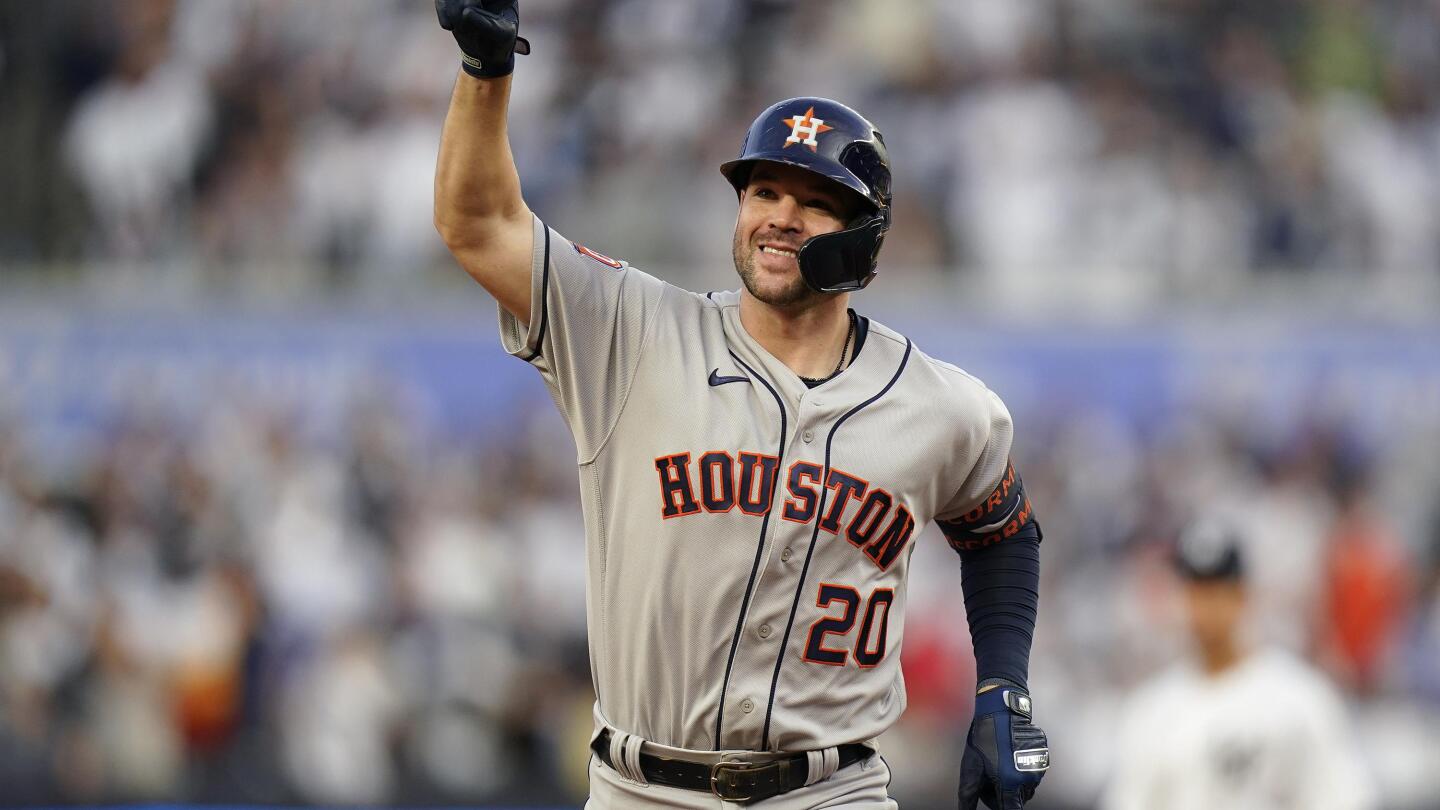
(487, 32)
(1005, 754)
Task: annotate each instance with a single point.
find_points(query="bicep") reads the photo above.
(984, 440)
(499, 255)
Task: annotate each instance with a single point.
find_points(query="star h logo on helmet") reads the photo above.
(804, 128)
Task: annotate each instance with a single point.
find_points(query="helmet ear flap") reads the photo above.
(844, 261)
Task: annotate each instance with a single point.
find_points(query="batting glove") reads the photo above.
(1005, 755)
(488, 34)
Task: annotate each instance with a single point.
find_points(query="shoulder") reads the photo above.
(1177, 680)
(716, 300)
(1162, 693)
(706, 307)
(578, 262)
(963, 395)
(1293, 678)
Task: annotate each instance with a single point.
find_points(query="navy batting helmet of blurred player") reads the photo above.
(1210, 549)
(834, 141)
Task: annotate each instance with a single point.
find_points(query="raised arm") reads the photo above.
(478, 208)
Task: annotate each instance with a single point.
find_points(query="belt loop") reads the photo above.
(625, 755)
(822, 764)
(632, 758)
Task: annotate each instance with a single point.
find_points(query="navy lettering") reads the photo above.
(676, 496)
(846, 486)
(866, 655)
(893, 540)
(803, 476)
(717, 481)
(881, 527)
(757, 489)
(867, 521)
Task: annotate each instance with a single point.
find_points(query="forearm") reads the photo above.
(478, 208)
(1001, 583)
(1006, 754)
(477, 188)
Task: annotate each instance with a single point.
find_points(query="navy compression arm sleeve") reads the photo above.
(1002, 591)
(999, 545)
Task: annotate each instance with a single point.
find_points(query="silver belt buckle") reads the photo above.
(722, 779)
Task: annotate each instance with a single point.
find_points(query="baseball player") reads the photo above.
(1239, 728)
(754, 467)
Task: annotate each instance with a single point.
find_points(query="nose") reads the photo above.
(785, 214)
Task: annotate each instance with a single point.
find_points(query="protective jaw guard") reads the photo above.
(844, 261)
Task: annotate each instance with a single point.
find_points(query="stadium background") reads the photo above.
(279, 523)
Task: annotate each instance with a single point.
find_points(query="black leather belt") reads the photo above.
(731, 781)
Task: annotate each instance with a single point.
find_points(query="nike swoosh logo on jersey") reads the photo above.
(716, 379)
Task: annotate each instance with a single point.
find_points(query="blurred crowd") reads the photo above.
(1120, 151)
(223, 608)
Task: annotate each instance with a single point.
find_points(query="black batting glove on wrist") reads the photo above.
(487, 32)
(1005, 754)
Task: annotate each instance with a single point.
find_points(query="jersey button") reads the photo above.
(808, 435)
(764, 631)
(747, 705)
(785, 555)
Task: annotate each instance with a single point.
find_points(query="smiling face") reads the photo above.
(1215, 612)
(780, 208)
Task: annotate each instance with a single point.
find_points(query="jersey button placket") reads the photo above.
(763, 630)
(747, 705)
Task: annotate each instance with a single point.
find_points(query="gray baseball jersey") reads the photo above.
(748, 537)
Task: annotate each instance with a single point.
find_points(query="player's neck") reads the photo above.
(808, 340)
(1220, 657)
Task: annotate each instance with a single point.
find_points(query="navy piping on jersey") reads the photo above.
(759, 549)
(544, 298)
(814, 533)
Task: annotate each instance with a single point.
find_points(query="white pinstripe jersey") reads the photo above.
(747, 537)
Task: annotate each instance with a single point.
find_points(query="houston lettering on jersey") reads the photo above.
(718, 482)
(1003, 513)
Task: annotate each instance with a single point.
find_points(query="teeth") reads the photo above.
(778, 251)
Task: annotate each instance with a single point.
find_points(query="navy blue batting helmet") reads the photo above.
(834, 141)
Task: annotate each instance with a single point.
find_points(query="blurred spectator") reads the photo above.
(1114, 154)
(134, 140)
(1241, 725)
(1368, 586)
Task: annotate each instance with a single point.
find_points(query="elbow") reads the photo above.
(455, 229)
(467, 230)
(462, 234)
(446, 227)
